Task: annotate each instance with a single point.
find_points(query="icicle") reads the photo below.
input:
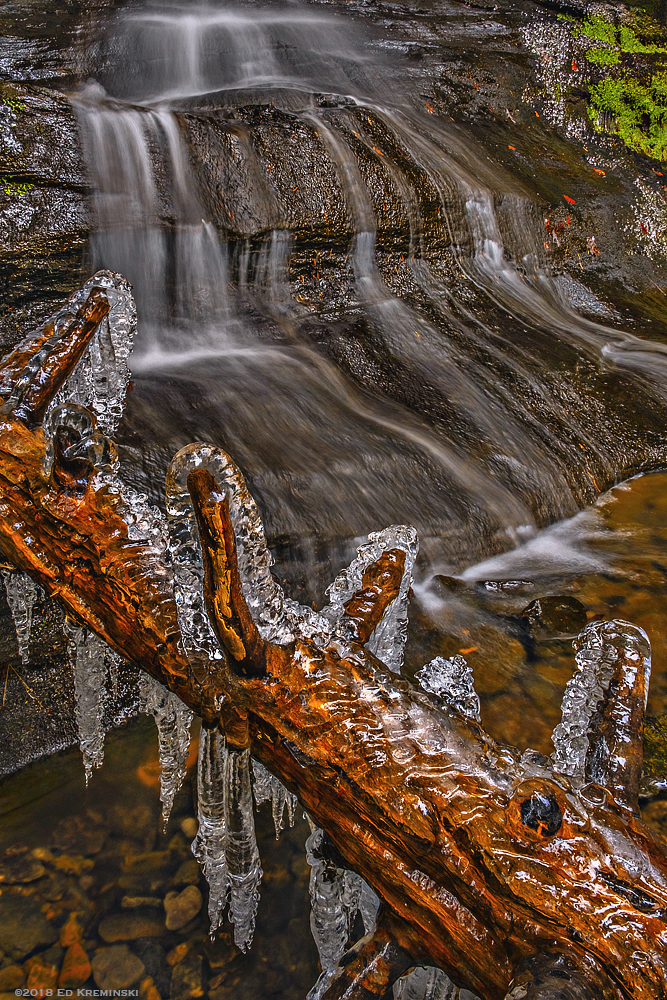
(87, 656)
(100, 379)
(173, 720)
(388, 640)
(267, 788)
(210, 845)
(369, 904)
(22, 595)
(225, 845)
(452, 681)
(245, 872)
(429, 984)
(597, 652)
(329, 916)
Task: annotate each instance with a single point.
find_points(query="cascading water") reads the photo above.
(321, 275)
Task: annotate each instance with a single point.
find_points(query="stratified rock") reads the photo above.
(23, 927)
(71, 932)
(187, 980)
(76, 968)
(128, 926)
(182, 907)
(555, 616)
(116, 968)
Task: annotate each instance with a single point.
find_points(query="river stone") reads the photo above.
(116, 968)
(19, 867)
(555, 616)
(187, 980)
(23, 927)
(128, 926)
(75, 969)
(11, 977)
(182, 907)
(188, 873)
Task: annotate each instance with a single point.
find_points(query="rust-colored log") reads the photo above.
(485, 863)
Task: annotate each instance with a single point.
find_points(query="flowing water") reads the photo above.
(345, 293)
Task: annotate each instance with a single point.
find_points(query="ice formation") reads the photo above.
(225, 845)
(429, 984)
(245, 872)
(100, 379)
(267, 788)
(451, 680)
(22, 595)
(91, 444)
(87, 654)
(210, 845)
(278, 618)
(173, 720)
(597, 652)
(330, 912)
(388, 640)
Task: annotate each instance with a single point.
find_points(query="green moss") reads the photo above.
(603, 57)
(13, 103)
(640, 111)
(12, 189)
(655, 752)
(597, 29)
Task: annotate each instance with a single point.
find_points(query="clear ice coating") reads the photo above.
(22, 595)
(278, 618)
(388, 640)
(91, 444)
(429, 983)
(88, 657)
(225, 845)
(173, 720)
(267, 788)
(100, 380)
(597, 651)
(452, 680)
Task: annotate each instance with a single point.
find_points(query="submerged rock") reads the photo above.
(23, 927)
(116, 968)
(554, 617)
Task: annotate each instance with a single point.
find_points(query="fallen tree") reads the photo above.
(521, 877)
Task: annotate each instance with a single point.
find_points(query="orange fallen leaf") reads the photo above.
(596, 170)
(429, 108)
(511, 147)
(471, 649)
(568, 220)
(574, 66)
(570, 201)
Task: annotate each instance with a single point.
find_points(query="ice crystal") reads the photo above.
(451, 680)
(333, 903)
(210, 845)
